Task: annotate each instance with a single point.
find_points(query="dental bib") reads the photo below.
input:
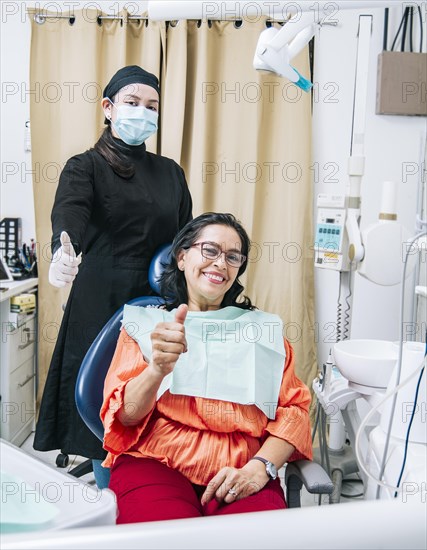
(234, 354)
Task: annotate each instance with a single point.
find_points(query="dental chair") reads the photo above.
(89, 389)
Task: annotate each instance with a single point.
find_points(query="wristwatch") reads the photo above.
(270, 468)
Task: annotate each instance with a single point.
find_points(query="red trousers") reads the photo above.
(148, 490)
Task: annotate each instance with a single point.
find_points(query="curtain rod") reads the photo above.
(41, 18)
(72, 16)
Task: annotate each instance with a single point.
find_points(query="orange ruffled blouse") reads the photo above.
(199, 436)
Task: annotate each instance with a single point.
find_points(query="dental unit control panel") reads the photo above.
(330, 233)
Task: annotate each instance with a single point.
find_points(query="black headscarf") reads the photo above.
(132, 74)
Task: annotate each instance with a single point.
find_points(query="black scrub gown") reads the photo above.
(117, 224)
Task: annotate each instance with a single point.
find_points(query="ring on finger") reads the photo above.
(232, 492)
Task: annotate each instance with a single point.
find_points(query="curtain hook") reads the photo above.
(39, 19)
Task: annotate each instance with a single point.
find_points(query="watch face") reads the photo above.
(271, 470)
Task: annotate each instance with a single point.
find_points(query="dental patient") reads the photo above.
(201, 402)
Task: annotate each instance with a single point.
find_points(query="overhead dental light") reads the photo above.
(277, 47)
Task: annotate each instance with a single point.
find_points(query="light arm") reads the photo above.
(299, 30)
(276, 48)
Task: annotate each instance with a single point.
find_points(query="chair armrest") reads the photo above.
(307, 473)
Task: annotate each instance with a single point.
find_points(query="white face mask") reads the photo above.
(134, 124)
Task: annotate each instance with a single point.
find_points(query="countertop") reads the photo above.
(12, 288)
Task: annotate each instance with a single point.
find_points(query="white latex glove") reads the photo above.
(64, 265)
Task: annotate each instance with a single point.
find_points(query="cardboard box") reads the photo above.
(402, 83)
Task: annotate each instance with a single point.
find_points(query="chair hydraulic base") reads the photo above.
(62, 461)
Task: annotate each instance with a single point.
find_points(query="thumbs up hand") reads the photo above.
(181, 314)
(64, 265)
(168, 342)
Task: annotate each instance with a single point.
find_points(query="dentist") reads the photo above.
(115, 204)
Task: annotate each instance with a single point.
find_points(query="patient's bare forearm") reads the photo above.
(139, 397)
(276, 450)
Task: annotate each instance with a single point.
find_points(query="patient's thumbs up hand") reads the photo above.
(168, 342)
(181, 314)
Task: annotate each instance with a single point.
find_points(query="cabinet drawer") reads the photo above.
(17, 404)
(20, 343)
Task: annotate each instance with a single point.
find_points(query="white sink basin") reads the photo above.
(366, 362)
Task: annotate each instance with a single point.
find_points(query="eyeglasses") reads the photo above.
(212, 251)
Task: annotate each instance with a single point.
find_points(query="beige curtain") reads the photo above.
(243, 138)
(70, 65)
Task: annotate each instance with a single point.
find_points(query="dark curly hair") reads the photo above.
(173, 285)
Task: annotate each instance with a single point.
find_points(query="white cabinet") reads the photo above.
(18, 365)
